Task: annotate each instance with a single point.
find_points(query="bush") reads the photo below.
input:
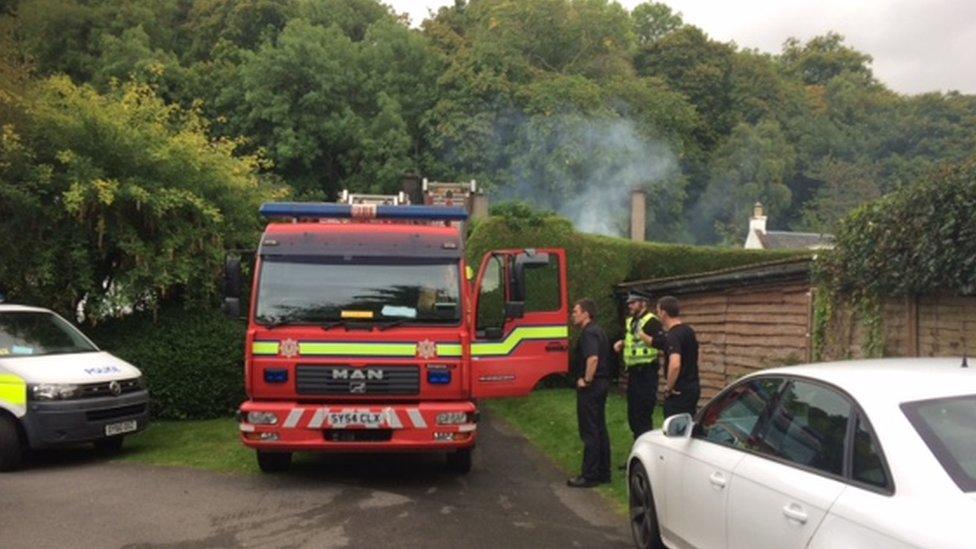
(920, 239)
(192, 359)
(598, 263)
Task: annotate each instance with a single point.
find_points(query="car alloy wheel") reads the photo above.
(643, 518)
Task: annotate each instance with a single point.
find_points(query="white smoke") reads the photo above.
(585, 168)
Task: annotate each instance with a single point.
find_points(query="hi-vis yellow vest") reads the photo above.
(636, 353)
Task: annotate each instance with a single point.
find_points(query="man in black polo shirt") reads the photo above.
(591, 370)
(683, 388)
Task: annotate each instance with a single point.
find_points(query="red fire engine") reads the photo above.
(367, 331)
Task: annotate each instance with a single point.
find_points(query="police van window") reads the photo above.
(809, 427)
(37, 333)
(491, 296)
(542, 291)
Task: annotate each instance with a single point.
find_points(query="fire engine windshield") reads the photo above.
(297, 292)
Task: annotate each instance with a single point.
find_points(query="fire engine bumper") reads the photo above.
(346, 427)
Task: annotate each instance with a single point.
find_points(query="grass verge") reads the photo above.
(212, 445)
(548, 419)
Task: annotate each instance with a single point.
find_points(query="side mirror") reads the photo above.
(231, 307)
(678, 426)
(514, 309)
(232, 277)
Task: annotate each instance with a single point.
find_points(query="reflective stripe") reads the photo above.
(517, 336)
(13, 393)
(636, 352)
(449, 349)
(293, 418)
(264, 347)
(393, 419)
(416, 418)
(358, 349)
(318, 418)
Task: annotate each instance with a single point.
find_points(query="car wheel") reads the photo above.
(274, 462)
(108, 446)
(459, 461)
(643, 517)
(11, 447)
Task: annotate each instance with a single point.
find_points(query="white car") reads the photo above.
(875, 453)
(57, 387)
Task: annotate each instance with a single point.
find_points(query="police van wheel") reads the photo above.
(274, 462)
(459, 461)
(11, 447)
(108, 446)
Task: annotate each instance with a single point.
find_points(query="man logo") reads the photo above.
(357, 387)
(357, 374)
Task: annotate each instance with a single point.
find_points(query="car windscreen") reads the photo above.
(38, 333)
(412, 291)
(948, 427)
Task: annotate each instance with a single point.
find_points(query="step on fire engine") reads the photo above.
(367, 331)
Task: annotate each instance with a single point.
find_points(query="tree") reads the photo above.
(116, 201)
(822, 58)
(653, 21)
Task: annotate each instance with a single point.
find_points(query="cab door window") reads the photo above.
(542, 288)
(809, 427)
(733, 419)
(491, 296)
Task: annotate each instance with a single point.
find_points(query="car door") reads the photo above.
(782, 491)
(521, 332)
(696, 494)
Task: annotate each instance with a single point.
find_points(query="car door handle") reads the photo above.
(717, 479)
(795, 512)
(556, 346)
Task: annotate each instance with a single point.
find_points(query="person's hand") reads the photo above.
(618, 346)
(580, 383)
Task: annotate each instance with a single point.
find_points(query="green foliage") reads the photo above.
(598, 263)
(193, 360)
(920, 239)
(118, 200)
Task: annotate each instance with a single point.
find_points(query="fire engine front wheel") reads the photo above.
(459, 461)
(11, 447)
(274, 462)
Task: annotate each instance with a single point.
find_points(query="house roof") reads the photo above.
(785, 240)
(788, 270)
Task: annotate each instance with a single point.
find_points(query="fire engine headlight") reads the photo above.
(262, 418)
(452, 418)
(54, 391)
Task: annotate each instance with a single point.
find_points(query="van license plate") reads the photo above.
(119, 428)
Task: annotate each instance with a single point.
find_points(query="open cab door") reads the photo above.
(521, 332)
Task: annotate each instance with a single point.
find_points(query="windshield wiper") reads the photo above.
(390, 324)
(272, 322)
(333, 324)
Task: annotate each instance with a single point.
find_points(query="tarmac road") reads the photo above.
(513, 497)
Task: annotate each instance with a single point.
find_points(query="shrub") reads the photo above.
(192, 359)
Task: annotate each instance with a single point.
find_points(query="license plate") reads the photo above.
(120, 428)
(346, 419)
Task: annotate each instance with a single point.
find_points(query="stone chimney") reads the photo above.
(638, 215)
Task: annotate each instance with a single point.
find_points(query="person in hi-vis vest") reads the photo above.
(640, 351)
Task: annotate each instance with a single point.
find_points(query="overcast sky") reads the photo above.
(917, 45)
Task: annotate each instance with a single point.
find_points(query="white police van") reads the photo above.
(57, 387)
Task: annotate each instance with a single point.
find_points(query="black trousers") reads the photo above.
(684, 403)
(641, 397)
(591, 406)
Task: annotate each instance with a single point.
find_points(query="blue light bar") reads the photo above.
(275, 376)
(321, 210)
(439, 377)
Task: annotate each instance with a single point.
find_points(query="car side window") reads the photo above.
(732, 420)
(808, 427)
(866, 464)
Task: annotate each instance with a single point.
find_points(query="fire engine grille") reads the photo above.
(371, 380)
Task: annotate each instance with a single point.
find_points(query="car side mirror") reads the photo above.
(678, 426)
(514, 309)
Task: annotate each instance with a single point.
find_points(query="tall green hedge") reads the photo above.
(193, 360)
(598, 263)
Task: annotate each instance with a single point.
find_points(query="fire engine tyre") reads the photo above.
(643, 516)
(459, 461)
(274, 462)
(11, 447)
(109, 446)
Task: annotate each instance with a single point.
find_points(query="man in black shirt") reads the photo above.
(591, 372)
(683, 388)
